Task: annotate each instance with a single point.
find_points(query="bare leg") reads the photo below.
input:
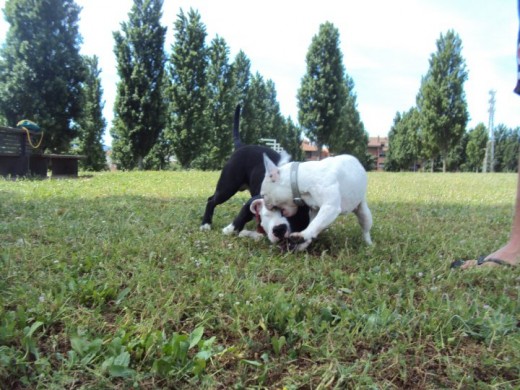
(509, 253)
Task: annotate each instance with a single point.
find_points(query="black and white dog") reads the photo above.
(245, 169)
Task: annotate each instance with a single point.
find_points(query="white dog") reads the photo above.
(330, 187)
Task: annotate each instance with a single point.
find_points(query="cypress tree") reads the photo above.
(257, 115)
(241, 68)
(322, 94)
(350, 136)
(221, 104)
(91, 123)
(188, 62)
(139, 113)
(291, 141)
(441, 101)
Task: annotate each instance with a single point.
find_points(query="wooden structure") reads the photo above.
(19, 158)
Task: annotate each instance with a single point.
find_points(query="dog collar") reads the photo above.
(297, 197)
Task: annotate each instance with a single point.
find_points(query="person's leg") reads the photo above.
(509, 253)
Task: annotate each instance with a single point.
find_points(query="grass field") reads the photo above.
(107, 283)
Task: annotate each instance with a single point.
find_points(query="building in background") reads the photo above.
(310, 151)
(378, 147)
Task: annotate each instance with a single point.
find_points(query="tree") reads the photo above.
(221, 103)
(322, 94)
(241, 75)
(476, 147)
(255, 122)
(41, 70)
(391, 162)
(275, 124)
(456, 159)
(291, 140)
(404, 141)
(506, 148)
(188, 62)
(91, 123)
(350, 136)
(441, 101)
(139, 113)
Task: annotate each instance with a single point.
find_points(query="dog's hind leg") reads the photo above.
(364, 217)
(217, 198)
(226, 188)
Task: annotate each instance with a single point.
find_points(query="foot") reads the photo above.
(205, 227)
(229, 229)
(507, 255)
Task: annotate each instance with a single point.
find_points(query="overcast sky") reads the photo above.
(386, 46)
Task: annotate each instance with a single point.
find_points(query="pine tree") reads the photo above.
(91, 123)
(188, 64)
(322, 95)
(139, 113)
(441, 101)
(41, 70)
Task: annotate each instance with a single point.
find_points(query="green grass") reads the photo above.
(106, 282)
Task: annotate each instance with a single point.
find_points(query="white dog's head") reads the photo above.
(276, 190)
(275, 225)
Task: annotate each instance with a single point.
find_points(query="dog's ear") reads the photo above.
(256, 206)
(271, 170)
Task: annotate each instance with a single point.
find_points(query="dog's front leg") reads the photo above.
(325, 216)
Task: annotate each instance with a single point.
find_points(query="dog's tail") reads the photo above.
(236, 122)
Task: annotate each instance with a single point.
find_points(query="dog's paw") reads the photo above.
(296, 238)
(297, 242)
(205, 227)
(229, 229)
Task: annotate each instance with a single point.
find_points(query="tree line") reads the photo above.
(432, 135)
(176, 105)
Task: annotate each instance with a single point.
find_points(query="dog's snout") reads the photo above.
(280, 230)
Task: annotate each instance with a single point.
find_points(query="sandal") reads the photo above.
(481, 260)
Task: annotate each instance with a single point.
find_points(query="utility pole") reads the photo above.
(489, 159)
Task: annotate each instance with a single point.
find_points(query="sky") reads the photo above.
(386, 47)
